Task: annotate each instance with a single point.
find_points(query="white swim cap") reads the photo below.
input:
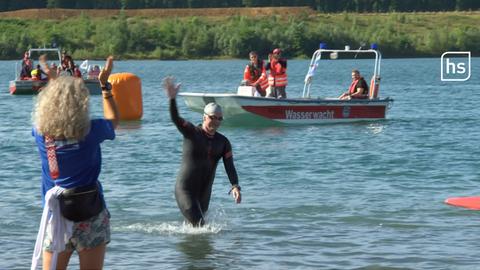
(212, 108)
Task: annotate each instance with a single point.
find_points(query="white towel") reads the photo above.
(61, 228)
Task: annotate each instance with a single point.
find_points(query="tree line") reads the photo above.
(332, 6)
(398, 35)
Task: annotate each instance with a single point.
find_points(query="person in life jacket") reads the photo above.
(277, 79)
(36, 73)
(255, 74)
(26, 73)
(358, 88)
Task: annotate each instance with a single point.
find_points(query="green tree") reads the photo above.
(133, 4)
(248, 3)
(141, 38)
(85, 4)
(60, 4)
(51, 3)
(108, 4)
(4, 5)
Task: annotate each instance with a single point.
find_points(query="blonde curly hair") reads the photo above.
(62, 109)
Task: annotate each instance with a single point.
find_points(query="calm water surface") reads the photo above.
(344, 196)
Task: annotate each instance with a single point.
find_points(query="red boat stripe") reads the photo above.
(317, 112)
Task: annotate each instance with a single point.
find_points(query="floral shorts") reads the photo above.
(86, 234)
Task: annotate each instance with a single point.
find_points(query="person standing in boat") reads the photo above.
(42, 61)
(26, 72)
(27, 67)
(68, 66)
(358, 88)
(203, 147)
(277, 79)
(255, 74)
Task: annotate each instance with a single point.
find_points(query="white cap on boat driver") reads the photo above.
(212, 108)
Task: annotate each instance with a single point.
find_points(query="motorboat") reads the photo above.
(246, 107)
(23, 86)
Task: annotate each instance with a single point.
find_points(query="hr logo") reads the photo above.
(455, 66)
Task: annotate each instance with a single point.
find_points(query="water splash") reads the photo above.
(172, 228)
(215, 223)
(376, 128)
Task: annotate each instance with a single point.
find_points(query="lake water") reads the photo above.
(342, 196)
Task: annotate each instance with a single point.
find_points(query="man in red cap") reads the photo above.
(277, 79)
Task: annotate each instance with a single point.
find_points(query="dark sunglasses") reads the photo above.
(214, 117)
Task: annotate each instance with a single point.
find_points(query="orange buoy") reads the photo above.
(127, 93)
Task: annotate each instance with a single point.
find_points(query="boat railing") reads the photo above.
(317, 56)
(16, 71)
(40, 50)
(84, 67)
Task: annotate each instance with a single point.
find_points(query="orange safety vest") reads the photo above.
(278, 73)
(256, 74)
(263, 83)
(353, 88)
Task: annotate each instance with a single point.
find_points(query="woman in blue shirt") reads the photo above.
(69, 145)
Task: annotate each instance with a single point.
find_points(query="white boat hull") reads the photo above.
(246, 110)
(33, 87)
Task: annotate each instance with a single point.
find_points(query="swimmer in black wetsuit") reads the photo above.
(203, 147)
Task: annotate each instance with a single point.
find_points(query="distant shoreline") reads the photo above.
(230, 33)
(61, 13)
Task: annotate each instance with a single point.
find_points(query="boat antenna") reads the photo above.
(358, 50)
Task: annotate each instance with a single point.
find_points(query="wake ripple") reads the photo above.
(173, 228)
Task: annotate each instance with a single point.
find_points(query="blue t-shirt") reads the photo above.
(79, 162)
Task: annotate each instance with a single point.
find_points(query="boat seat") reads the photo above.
(248, 91)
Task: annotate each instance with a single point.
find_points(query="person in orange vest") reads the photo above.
(277, 79)
(255, 74)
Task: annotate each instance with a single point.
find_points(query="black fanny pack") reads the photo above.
(81, 203)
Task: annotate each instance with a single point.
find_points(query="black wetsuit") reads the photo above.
(201, 153)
